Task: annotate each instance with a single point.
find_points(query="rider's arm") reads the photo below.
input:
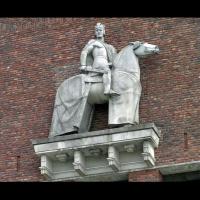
(114, 53)
(87, 49)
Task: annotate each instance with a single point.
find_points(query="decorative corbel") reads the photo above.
(46, 166)
(148, 153)
(113, 158)
(79, 162)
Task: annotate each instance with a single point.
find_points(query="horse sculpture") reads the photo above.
(76, 96)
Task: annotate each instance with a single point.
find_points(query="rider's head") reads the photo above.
(99, 30)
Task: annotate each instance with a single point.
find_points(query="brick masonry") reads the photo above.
(37, 54)
(146, 176)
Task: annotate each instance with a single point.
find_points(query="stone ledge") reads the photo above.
(180, 168)
(111, 152)
(96, 133)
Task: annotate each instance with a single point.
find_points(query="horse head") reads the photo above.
(142, 49)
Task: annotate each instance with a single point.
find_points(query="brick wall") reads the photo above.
(145, 176)
(37, 54)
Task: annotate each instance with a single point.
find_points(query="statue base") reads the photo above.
(106, 155)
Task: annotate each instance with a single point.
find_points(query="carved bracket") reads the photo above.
(46, 166)
(109, 153)
(79, 162)
(148, 153)
(113, 158)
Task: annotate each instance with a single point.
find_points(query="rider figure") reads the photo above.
(102, 55)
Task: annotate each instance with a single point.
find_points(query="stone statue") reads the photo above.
(106, 77)
(97, 57)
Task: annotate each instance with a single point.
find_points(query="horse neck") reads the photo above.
(127, 61)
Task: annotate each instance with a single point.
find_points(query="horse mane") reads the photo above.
(126, 60)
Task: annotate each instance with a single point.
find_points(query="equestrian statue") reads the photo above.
(106, 76)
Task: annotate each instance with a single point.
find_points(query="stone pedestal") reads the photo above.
(106, 155)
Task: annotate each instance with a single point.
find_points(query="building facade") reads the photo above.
(38, 54)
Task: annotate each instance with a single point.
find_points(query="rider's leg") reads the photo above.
(107, 84)
(107, 81)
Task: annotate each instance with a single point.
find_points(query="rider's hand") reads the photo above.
(88, 67)
(83, 68)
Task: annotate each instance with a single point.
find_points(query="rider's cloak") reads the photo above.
(72, 112)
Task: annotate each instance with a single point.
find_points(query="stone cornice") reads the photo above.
(96, 133)
(97, 155)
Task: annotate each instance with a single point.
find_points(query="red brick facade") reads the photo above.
(145, 176)
(37, 54)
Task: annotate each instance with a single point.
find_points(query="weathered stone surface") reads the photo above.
(41, 53)
(97, 133)
(108, 77)
(81, 157)
(180, 168)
